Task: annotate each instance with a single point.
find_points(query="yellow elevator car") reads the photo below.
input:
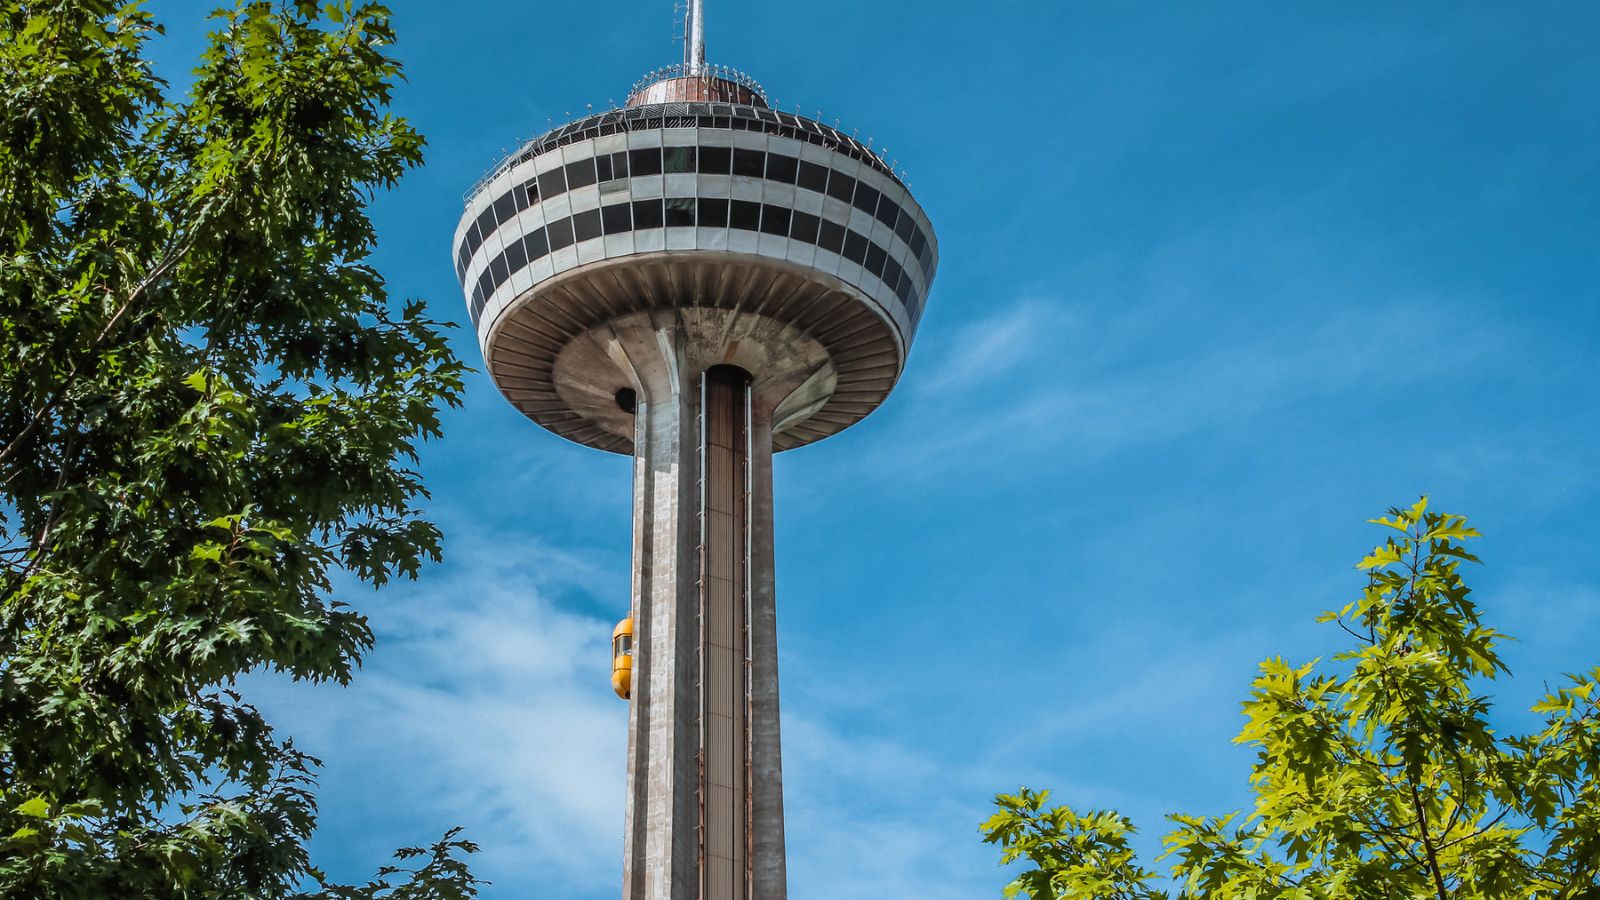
(622, 658)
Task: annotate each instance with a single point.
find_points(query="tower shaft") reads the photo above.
(704, 815)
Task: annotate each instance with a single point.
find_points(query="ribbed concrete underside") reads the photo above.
(865, 349)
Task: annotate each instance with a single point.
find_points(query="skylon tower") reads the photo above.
(698, 280)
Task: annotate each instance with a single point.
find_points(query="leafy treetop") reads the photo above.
(208, 405)
(1377, 775)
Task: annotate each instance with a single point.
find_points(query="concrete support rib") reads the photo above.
(704, 816)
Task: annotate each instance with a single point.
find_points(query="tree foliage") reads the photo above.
(208, 405)
(1377, 774)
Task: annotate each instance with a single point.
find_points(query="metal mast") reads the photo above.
(694, 45)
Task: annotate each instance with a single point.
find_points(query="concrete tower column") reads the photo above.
(704, 717)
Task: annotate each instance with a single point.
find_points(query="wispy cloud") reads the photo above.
(486, 704)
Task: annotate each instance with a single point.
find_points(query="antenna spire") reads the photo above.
(694, 44)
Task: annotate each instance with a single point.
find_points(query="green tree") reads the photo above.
(208, 406)
(1377, 774)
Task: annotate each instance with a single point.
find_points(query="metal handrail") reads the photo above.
(632, 118)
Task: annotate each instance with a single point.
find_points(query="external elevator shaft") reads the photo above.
(704, 731)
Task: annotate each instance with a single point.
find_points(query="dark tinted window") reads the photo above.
(586, 224)
(486, 224)
(713, 212)
(644, 162)
(679, 159)
(830, 236)
(866, 198)
(804, 228)
(680, 211)
(485, 284)
(560, 234)
(904, 291)
(888, 210)
(812, 177)
(840, 186)
(505, 208)
(580, 173)
(615, 218)
(781, 168)
(646, 214)
(875, 258)
(537, 245)
(602, 167)
(531, 188)
(516, 256)
(774, 219)
(519, 195)
(497, 269)
(619, 164)
(855, 247)
(749, 162)
(715, 160)
(744, 214)
(917, 242)
(892, 272)
(552, 183)
(904, 227)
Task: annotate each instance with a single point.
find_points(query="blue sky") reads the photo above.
(1218, 283)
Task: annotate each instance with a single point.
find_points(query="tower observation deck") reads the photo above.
(698, 280)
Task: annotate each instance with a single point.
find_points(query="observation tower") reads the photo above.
(698, 280)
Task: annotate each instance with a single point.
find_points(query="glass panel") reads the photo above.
(505, 208)
(866, 198)
(781, 168)
(804, 227)
(713, 212)
(586, 225)
(875, 258)
(602, 167)
(888, 210)
(580, 174)
(904, 227)
(679, 159)
(560, 234)
(680, 211)
(855, 247)
(520, 196)
(917, 242)
(646, 214)
(619, 164)
(830, 236)
(644, 162)
(615, 218)
(497, 269)
(749, 162)
(715, 160)
(812, 177)
(538, 245)
(531, 188)
(516, 256)
(744, 214)
(552, 183)
(840, 186)
(775, 219)
(486, 222)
